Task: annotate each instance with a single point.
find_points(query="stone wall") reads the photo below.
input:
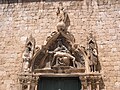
(19, 20)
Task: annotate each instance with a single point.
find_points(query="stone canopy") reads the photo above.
(42, 57)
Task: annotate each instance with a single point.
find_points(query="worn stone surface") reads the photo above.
(19, 20)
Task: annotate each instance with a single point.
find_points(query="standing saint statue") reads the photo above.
(28, 53)
(92, 53)
(26, 59)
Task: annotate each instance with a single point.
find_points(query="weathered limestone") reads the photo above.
(18, 21)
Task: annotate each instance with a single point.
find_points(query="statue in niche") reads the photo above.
(62, 18)
(92, 53)
(28, 53)
(62, 56)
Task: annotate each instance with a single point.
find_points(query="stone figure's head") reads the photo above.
(59, 42)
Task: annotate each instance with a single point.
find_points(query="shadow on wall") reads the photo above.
(25, 1)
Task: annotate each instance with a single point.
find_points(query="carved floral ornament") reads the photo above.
(60, 56)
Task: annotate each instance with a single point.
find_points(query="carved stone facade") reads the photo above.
(61, 56)
(94, 59)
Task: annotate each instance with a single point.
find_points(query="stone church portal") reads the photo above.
(60, 63)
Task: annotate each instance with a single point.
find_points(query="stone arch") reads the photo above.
(41, 57)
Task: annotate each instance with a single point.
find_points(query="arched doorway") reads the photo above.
(59, 83)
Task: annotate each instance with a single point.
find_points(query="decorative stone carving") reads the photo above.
(62, 56)
(28, 53)
(78, 52)
(62, 19)
(51, 35)
(28, 81)
(59, 51)
(92, 53)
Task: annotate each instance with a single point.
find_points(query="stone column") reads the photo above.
(32, 86)
(34, 83)
(89, 85)
(98, 83)
(25, 84)
(83, 82)
(36, 86)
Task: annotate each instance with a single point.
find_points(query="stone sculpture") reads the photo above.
(28, 53)
(62, 57)
(62, 18)
(92, 53)
(26, 59)
(78, 52)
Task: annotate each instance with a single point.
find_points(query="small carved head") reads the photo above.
(59, 41)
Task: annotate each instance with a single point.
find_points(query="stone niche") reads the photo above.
(61, 56)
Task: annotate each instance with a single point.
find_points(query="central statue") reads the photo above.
(62, 18)
(62, 56)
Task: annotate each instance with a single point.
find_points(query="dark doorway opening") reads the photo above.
(59, 83)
